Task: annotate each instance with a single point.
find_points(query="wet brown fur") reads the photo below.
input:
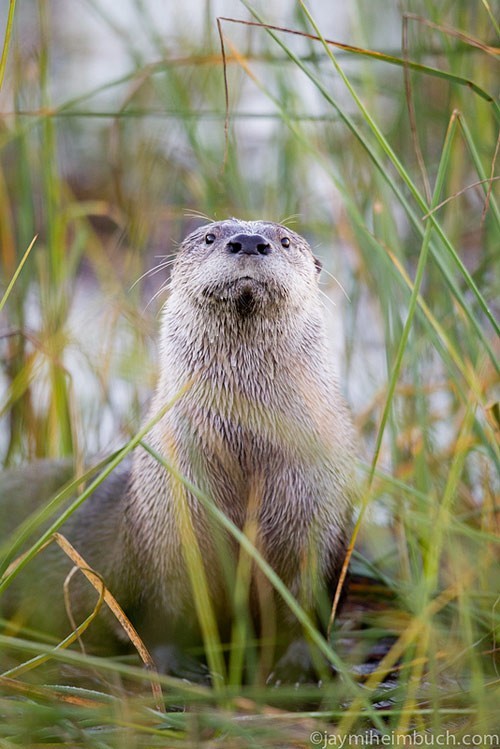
(260, 428)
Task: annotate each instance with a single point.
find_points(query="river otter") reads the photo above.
(256, 422)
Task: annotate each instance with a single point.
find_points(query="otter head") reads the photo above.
(247, 267)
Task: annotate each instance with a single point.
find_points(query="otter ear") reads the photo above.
(318, 264)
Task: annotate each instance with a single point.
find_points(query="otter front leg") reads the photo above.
(302, 662)
(287, 656)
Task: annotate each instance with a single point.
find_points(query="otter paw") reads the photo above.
(173, 661)
(294, 667)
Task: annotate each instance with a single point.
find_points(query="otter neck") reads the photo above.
(245, 350)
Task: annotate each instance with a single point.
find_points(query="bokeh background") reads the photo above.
(113, 145)
(113, 136)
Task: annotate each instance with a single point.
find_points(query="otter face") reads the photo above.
(247, 266)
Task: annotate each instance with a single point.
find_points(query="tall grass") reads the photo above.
(390, 170)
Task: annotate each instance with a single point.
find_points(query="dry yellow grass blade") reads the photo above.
(46, 694)
(95, 580)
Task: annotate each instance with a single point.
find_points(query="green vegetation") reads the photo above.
(390, 170)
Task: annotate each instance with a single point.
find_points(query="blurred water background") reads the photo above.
(113, 132)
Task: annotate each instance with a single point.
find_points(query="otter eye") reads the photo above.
(285, 242)
(209, 238)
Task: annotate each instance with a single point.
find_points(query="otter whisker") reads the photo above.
(163, 288)
(292, 219)
(152, 272)
(324, 270)
(330, 300)
(198, 214)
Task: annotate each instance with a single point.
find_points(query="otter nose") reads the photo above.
(249, 244)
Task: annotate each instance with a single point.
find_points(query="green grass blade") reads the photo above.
(415, 218)
(14, 278)
(6, 40)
